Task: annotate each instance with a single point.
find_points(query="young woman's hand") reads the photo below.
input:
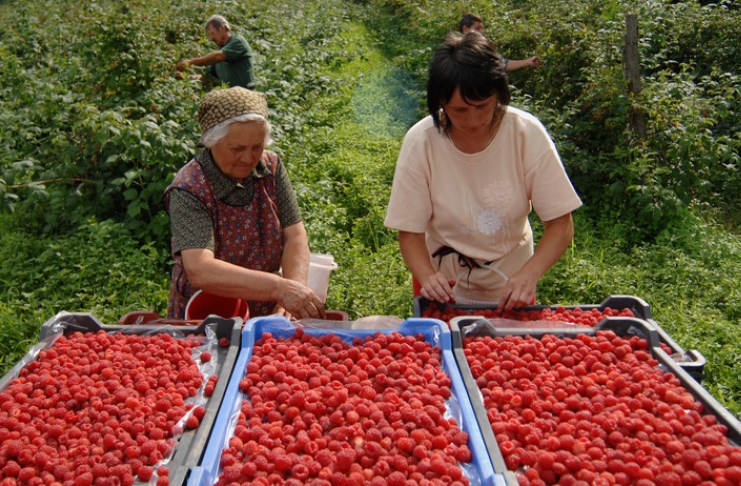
(438, 287)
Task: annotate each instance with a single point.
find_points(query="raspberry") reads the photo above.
(691, 477)
(405, 444)
(703, 468)
(192, 422)
(345, 459)
(396, 478)
(199, 412)
(11, 469)
(546, 460)
(282, 463)
(462, 454)
(230, 474)
(84, 479)
(145, 473)
(669, 479)
(512, 461)
(224, 342)
(300, 472)
(352, 417)
(100, 470)
(733, 474)
(205, 357)
(420, 452)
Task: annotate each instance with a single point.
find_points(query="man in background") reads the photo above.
(473, 22)
(232, 63)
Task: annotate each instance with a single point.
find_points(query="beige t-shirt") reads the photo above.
(478, 204)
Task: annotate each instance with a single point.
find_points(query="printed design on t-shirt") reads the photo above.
(486, 218)
(489, 222)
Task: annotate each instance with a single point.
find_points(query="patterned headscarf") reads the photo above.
(222, 104)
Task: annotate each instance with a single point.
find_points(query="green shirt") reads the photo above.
(237, 69)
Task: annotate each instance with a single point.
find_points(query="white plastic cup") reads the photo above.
(320, 267)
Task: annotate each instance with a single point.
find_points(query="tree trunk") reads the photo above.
(631, 67)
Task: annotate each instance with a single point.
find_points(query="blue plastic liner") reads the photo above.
(480, 470)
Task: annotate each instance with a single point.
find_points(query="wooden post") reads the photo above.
(631, 67)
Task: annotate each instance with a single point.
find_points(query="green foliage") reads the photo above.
(99, 268)
(690, 96)
(93, 125)
(103, 136)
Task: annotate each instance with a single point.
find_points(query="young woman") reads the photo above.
(466, 179)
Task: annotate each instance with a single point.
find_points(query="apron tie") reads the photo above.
(463, 260)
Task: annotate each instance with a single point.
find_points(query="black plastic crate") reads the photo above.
(462, 327)
(638, 306)
(692, 361)
(192, 443)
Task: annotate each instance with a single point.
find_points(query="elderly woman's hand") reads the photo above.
(280, 311)
(299, 301)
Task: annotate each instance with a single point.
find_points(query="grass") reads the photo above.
(98, 269)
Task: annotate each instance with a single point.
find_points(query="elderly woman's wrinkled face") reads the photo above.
(239, 152)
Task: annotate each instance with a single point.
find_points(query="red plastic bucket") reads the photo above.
(203, 304)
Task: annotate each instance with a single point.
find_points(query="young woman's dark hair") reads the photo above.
(469, 63)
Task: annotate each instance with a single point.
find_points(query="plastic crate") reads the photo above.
(153, 317)
(622, 326)
(434, 332)
(638, 306)
(692, 361)
(191, 444)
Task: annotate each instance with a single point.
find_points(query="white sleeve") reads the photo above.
(549, 187)
(410, 205)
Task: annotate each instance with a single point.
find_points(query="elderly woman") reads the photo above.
(236, 226)
(466, 180)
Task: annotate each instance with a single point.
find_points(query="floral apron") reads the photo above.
(249, 236)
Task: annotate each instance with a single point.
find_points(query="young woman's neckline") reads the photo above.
(476, 147)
